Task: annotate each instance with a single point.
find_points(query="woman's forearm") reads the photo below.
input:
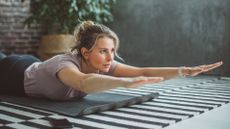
(166, 72)
(96, 83)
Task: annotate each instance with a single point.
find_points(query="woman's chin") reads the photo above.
(105, 70)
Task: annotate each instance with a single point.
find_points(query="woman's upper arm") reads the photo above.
(71, 76)
(123, 70)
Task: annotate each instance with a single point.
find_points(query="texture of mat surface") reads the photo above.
(181, 101)
(90, 104)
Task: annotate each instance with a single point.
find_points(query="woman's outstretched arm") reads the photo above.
(90, 83)
(123, 70)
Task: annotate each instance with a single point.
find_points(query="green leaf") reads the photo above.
(63, 15)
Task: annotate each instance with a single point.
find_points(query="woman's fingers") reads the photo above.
(212, 66)
(204, 68)
(208, 67)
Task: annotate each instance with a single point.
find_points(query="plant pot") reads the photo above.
(52, 45)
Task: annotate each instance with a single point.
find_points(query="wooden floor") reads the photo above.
(179, 99)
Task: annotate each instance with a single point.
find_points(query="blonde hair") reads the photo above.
(87, 33)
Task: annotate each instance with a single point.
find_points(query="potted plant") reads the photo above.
(60, 18)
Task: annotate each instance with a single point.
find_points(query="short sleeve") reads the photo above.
(53, 69)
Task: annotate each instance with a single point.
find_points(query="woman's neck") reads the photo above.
(86, 68)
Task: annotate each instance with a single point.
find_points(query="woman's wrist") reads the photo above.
(183, 71)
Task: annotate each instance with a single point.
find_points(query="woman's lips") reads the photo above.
(107, 65)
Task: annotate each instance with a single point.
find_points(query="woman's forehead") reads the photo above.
(104, 42)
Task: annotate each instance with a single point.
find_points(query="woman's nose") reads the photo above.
(110, 56)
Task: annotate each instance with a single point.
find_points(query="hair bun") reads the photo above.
(87, 24)
(81, 28)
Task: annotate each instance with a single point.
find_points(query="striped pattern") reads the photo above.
(179, 99)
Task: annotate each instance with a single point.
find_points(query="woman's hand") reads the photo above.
(196, 70)
(137, 81)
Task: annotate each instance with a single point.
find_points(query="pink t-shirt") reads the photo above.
(40, 79)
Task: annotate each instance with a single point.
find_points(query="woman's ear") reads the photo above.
(85, 52)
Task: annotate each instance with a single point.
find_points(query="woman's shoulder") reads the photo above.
(62, 59)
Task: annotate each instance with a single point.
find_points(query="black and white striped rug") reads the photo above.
(179, 99)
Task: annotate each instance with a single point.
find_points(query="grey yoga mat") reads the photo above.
(91, 103)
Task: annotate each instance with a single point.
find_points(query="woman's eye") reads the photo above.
(113, 51)
(103, 51)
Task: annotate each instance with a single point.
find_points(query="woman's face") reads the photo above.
(102, 55)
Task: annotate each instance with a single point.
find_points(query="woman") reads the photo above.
(89, 68)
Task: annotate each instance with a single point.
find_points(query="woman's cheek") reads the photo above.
(99, 59)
